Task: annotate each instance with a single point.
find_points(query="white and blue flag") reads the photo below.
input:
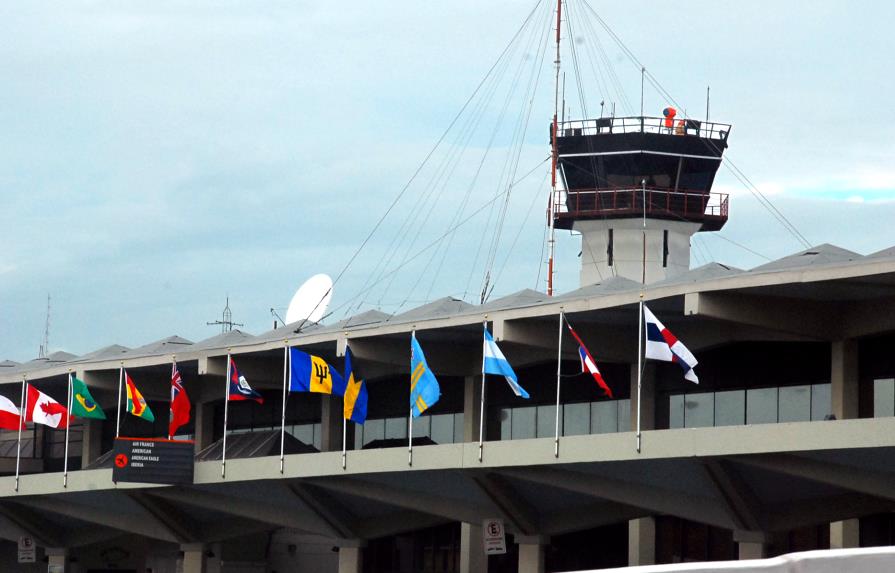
(495, 363)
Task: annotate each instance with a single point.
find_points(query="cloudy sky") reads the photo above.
(156, 157)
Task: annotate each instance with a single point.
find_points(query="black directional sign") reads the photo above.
(153, 460)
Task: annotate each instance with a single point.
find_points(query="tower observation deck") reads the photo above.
(618, 171)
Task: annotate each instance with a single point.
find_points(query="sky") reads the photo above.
(157, 157)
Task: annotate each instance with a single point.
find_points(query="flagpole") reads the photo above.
(558, 383)
(482, 396)
(410, 414)
(283, 419)
(344, 419)
(640, 317)
(170, 402)
(23, 404)
(118, 417)
(67, 424)
(226, 408)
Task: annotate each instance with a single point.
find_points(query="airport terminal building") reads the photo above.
(787, 442)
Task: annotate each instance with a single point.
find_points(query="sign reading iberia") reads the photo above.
(153, 460)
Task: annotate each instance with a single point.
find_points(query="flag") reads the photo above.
(82, 403)
(10, 418)
(495, 363)
(424, 389)
(662, 345)
(180, 403)
(308, 373)
(239, 386)
(588, 364)
(41, 409)
(136, 405)
(355, 403)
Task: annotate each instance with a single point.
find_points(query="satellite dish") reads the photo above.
(311, 300)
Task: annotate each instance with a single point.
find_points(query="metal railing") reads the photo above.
(662, 202)
(658, 125)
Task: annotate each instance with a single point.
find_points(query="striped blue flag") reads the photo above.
(495, 363)
(424, 389)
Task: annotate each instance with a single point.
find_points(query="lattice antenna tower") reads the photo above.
(45, 345)
(226, 321)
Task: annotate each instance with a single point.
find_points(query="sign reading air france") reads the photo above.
(424, 389)
(309, 373)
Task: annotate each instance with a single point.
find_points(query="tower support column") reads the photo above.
(472, 549)
(642, 541)
(844, 394)
(531, 553)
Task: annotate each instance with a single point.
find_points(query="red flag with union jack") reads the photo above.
(180, 403)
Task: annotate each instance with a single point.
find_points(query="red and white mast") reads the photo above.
(555, 157)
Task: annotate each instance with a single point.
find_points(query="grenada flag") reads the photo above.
(136, 405)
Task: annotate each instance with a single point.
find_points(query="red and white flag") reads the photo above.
(10, 419)
(180, 404)
(41, 409)
(587, 362)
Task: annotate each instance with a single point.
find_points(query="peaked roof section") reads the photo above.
(611, 285)
(364, 318)
(703, 273)
(446, 306)
(885, 253)
(53, 359)
(8, 364)
(287, 331)
(525, 297)
(819, 255)
(105, 353)
(223, 340)
(169, 345)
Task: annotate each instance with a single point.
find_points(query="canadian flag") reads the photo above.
(10, 419)
(41, 409)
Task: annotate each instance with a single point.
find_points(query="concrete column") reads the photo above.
(642, 541)
(57, 559)
(91, 447)
(472, 397)
(204, 424)
(331, 415)
(845, 534)
(193, 558)
(472, 551)
(647, 394)
(751, 544)
(844, 378)
(351, 559)
(531, 553)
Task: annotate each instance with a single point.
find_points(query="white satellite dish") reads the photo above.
(310, 301)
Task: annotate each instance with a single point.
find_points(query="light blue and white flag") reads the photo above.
(495, 363)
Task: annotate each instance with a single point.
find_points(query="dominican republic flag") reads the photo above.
(662, 345)
(180, 403)
(495, 363)
(10, 419)
(41, 409)
(239, 386)
(588, 364)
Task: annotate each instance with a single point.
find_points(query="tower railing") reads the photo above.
(696, 206)
(658, 125)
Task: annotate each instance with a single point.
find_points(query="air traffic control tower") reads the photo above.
(619, 172)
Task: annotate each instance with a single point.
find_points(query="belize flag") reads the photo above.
(495, 363)
(662, 345)
(239, 386)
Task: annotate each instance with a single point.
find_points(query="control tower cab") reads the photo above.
(618, 172)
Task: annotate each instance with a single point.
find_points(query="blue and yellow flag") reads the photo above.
(355, 394)
(424, 389)
(308, 373)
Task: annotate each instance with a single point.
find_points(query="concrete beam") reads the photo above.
(657, 500)
(174, 520)
(326, 509)
(743, 505)
(815, 511)
(518, 513)
(395, 523)
(588, 516)
(23, 522)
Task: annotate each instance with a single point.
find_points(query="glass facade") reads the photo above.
(883, 397)
(440, 428)
(753, 406)
(575, 420)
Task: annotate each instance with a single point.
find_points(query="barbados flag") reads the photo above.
(355, 394)
(136, 405)
(424, 389)
(309, 373)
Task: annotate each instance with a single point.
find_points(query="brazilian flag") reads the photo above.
(82, 403)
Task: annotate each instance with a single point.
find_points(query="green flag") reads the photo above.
(82, 403)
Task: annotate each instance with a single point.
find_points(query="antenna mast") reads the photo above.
(226, 321)
(555, 157)
(45, 345)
